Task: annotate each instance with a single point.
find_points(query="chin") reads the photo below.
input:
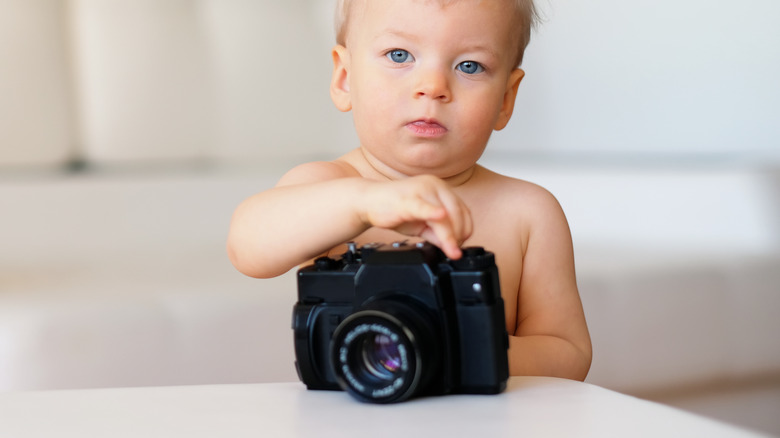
(442, 171)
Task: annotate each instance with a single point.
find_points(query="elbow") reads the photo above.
(584, 360)
(251, 266)
(583, 368)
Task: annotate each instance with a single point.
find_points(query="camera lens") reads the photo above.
(385, 354)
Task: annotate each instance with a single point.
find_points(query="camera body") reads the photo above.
(389, 322)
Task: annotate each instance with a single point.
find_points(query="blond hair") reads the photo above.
(525, 12)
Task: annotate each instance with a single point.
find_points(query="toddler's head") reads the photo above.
(524, 10)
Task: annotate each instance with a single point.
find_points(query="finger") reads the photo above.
(442, 236)
(421, 209)
(459, 216)
(407, 211)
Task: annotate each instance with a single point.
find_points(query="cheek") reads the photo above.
(479, 118)
(373, 106)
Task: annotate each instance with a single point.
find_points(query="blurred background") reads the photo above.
(130, 129)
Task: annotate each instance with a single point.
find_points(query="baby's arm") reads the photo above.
(318, 206)
(551, 337)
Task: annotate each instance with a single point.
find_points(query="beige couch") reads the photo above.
(123, 280)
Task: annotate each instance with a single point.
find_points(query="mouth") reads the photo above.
(428, 128)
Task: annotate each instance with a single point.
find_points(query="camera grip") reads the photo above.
(484, 343)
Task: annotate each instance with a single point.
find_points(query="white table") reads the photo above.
(531, 407)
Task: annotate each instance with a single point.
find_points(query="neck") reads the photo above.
(381, 171)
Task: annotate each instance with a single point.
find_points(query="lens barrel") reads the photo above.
(385, 354)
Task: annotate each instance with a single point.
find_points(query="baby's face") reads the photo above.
(428, 83)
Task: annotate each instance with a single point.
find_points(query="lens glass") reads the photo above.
(381, 356)
(378, 356)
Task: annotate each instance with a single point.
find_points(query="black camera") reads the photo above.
(389, 322)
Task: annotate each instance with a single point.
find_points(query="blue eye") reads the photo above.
(400, 56)
(470, 67)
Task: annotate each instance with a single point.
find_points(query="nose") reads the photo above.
(434, 84)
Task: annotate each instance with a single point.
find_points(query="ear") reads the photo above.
(339, 83)
(508, 104)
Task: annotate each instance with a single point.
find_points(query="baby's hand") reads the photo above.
(423, 206)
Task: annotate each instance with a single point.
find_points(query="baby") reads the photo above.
(427, 82)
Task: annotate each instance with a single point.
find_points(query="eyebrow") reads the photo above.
(396, 33)
(484, 49)
(468, 47)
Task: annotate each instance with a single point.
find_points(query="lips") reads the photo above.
(428, 128)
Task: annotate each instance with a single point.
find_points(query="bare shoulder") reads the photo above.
(516, 218)
(317, 171)
(521, 197)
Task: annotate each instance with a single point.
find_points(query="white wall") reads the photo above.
(671, 78)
